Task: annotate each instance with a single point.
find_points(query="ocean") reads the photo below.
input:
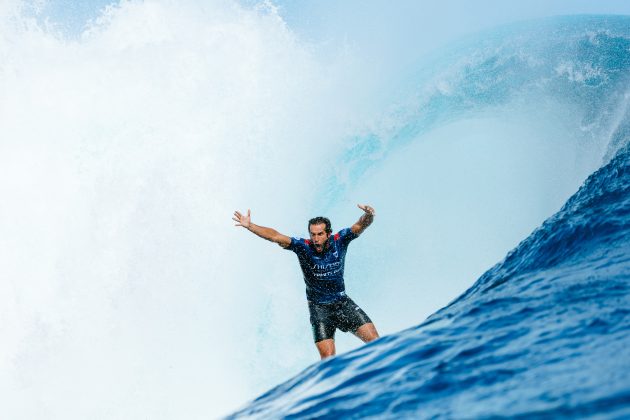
(545, 332)
(130, 134)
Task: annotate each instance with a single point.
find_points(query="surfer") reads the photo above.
(322, 260)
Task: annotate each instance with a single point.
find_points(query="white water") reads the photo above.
(125, 291)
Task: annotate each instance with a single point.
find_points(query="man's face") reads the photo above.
(319, 236)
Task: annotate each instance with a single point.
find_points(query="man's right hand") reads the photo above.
(242, 220)
(264, 232)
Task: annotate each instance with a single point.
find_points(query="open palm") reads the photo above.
(241, 219)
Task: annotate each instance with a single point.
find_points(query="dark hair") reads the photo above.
(319, 220)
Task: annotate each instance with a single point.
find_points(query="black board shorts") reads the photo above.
(327, 317)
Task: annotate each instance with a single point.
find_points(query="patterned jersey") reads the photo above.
(323, 273)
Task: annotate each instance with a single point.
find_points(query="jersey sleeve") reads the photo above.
(297, 245)
(346, 235)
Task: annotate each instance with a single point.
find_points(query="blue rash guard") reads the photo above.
(323, 273)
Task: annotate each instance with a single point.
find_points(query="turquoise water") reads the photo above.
(543, 333)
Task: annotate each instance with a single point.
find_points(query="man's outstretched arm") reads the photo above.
(365, 220)
(264, 232)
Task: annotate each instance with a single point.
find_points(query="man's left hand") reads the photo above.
(367, 209)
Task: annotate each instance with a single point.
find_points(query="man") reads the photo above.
(322, 261)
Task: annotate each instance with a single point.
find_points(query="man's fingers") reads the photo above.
(238, 213)
(366, 208)
(239, 218)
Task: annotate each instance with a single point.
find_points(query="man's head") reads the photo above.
(319, 229)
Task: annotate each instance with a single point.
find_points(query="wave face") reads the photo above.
(487, 139)
(545, 331)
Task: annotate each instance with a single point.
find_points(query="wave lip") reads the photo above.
(578, 63)
(543, 333)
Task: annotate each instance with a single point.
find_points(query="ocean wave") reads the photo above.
(544, 332)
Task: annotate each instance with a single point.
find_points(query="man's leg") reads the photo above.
(326, 348)
(323, 329)
(367, 332)
(353, 315)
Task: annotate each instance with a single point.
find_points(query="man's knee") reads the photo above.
(367, 332)
(326, 348)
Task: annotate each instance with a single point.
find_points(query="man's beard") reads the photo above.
(322, 248)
